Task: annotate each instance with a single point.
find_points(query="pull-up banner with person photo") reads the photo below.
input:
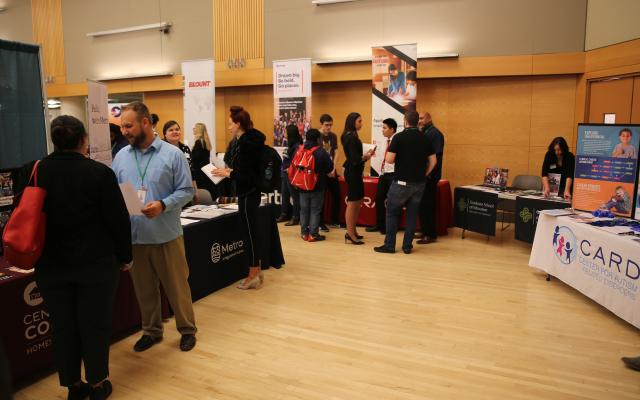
(606, 168)
(394, 88)
(291, 97)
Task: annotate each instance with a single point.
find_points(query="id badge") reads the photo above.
(142, 195)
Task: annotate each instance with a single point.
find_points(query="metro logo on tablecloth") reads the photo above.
(226, 251)
(564, 244)
(525, 215)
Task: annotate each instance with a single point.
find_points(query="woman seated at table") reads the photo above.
(559, 160)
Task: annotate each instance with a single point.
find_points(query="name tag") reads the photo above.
(142, 195)
(552, 166)
(402, 183)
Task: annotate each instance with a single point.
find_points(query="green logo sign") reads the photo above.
(525, 215)
(462, 204)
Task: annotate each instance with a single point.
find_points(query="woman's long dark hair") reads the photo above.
(560, 142)
(293, 135)
(350, 123)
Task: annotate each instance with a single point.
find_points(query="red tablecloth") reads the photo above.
(367, 217)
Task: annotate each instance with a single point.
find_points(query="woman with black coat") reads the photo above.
(245, 171)
(88, 241)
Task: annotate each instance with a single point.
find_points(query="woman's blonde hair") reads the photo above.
(200, 133)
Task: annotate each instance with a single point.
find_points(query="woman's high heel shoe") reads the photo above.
(253, 283)
(348, 238)
(359, 236)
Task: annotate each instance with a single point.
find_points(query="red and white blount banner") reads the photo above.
(394, 89)
(98, 112)
(291, 97)
(199, 99)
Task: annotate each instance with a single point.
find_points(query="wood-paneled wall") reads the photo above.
(505, 122)
(47, 32)
(238, 31)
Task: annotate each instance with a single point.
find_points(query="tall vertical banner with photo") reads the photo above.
(291, 97)
(394, 89)
(98, 111)
(199, 99)
(606, 168)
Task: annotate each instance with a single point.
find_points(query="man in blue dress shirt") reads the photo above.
(160, 173)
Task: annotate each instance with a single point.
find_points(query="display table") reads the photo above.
(367, 217)
(216, 257)
(603, 266)
(528, 211)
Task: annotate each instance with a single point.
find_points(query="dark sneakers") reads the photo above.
(315, 238)
(406, 251)
(632, 362)
(79, 392)
(426, 240)
(101, 392)
(145, 343)
(293, 222)
(187, 342)
(384, 249)
(324, 228)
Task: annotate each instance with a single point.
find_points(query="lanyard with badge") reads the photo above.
(142, 193)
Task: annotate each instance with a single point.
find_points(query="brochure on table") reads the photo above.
(606, 168)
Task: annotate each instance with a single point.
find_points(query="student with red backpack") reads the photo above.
(308, 173)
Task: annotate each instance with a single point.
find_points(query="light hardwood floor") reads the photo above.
(460, 319)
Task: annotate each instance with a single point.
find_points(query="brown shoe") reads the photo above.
(426, 240)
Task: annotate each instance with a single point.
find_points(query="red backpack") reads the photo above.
(24, 234)
(302, 172)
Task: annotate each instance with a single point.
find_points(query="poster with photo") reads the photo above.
(291, 98)
(606, 167)
(6, 189)
(393, 92)
(554, 184)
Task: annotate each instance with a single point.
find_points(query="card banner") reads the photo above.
(475, 210)
(606, 168)
(199, 99)
(527, 214)
(394, 87)
(603, 266)
(291, 97)
(98, 111)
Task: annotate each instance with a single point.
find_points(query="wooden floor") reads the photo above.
(460, 319)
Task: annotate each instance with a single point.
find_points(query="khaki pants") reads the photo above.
(167, 264)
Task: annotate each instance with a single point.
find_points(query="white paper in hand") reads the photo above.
(366, 147)
(131, 199)
(207, 171)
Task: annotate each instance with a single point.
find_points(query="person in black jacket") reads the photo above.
(560, 161)
(353, 169)
(245, 170)
(118, 141)
(311, 201)
(428, 204)
(289, 193)
(88, 240)
(200, 156)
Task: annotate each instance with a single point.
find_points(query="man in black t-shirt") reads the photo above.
(330, 145)
(428, 203)
(414, 159)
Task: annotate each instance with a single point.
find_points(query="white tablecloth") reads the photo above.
(601, 265)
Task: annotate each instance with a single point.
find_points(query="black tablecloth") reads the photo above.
(475, 210)
(26, 330)
(527, 213)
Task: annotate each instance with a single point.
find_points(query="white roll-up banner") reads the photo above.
(98, 111)
(199, 99)
(394, 89)
(291, 97)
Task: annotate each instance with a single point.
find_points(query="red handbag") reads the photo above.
(24, 234)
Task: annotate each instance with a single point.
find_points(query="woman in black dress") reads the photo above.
(245, 171)
(353, 169)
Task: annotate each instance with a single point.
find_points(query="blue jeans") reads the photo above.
(310, 210)
(289, 195)
(408, 195)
